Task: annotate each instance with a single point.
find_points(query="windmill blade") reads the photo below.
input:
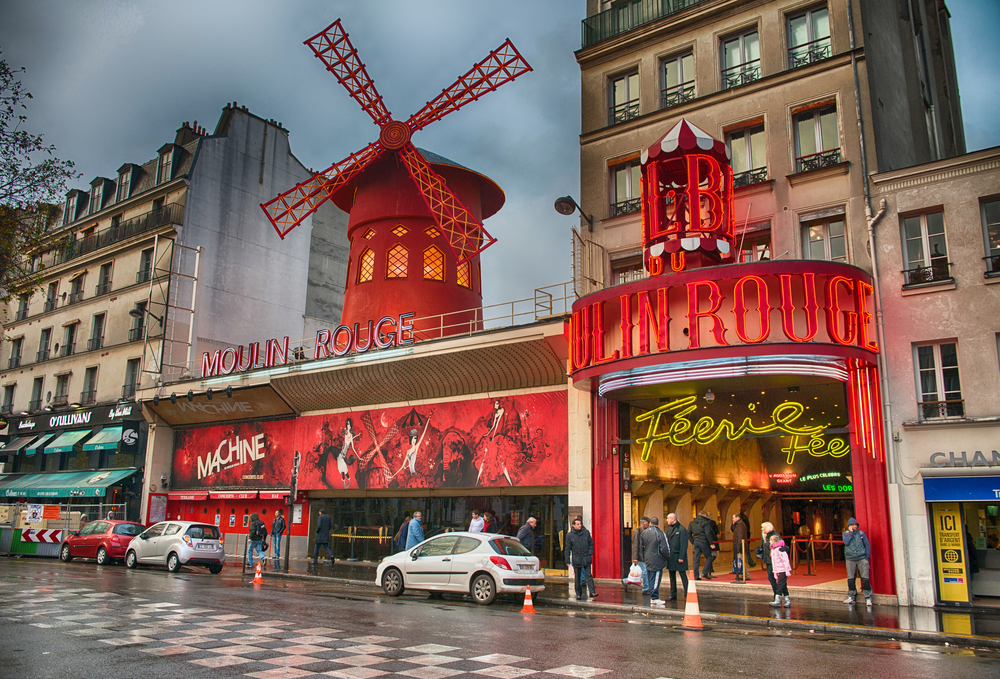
(501, 66)
(366, 419)
(465, 235)
(334, 49)
(389, 433)
(287, 210)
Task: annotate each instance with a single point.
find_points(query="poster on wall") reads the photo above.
(949, 553)
(506, 441)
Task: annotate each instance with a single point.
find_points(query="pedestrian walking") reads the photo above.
(741, 547)
(580, 555)
(637, 555)
(782, 568)
(654, 549)
(323, 525)
(703, 535)
(399, 539)
(490, 522)
(526, 534)
(257, 535)
(764, 553)
(857, 555)
(677, 544)
(277, 530)
(477, 523)
(415, 531)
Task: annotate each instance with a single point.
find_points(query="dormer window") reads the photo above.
(96, 197)
(166, 167)
(70, 214)
(124, 184)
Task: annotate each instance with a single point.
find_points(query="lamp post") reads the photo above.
(567, 206)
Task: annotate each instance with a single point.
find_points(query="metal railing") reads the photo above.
(7, 408)
(128, 390)
(168, 214)
(35, 404)
(750, 177)
(95, 343)
(21, 314)
(622, 112)
(76, 296)
(677, 95)
(135, 334)
(741, 74)
(809, 52)
(60, 399)
(14, 362)
(51, 303)
(67, 349)
(937, 271)
(42, 355)
(930, 410)
(103, 287)
(992, 264)
(624, 207)
(88, 397)
(815, 161)
(144, 275)
(627, 16)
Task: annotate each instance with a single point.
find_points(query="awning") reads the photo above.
(39, 442)
(234, 495)
(16, 445)
(64, 484)
(273, 495)
(67, 441)
(187, 495)
(984, 488)
(106, 439)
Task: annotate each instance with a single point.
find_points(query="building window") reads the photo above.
(817, 141)
(939, 390)
(463, 274)
(740, 59)
(96, 194)
(61, 396)
(69, 340)
(755, 247)
(44, 340)
(925, 249)
(104, 279)
(22, 307)
(76, 289)
(625, 196)
(749, 155)
(89, 394)
(96, 340)
(16, 346)
(124, 185)
(52, 296)
(36, 394)
(145, 266)
(825, 239)
(367, 269)
(166, 167)
(399, 231)
(809, 37)
(677, 74)
(137, 331)
(8, 399)
(70, 209)
(131, 378)
(991, 232)
(369, 234)
(395, 263)
(627, 270)
(433, 264)
(432, 232)
(624, 97)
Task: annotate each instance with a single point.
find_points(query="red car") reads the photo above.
(105, 540)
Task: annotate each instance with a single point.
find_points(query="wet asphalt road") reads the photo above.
(82, 620)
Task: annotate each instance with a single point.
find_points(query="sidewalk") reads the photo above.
(725, 603)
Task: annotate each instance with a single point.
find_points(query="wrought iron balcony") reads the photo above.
(144, 275)
(135, 334)
(76, 296)
(42, 355)
(809, 53)
(628, 15)
(168, 214)
(815, 161)
(741, 74)
(7, 408)
(750, 177)
(21, 314)
(993, 265)
(103, 287)
(624, 207)
(88, 397)
(35, 404)
(623, 112)
(13, 362)
(128, 391)
(60, 399)
(51, 303)
(95, 343)
(936, 272)
(930, 410)
(677, 95)
(67, 349)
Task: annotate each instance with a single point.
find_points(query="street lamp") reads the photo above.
(567, 206)
(140, 311)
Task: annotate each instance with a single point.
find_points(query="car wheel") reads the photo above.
(483, 589)
(65, 555)
(173, 563)
(215, 570)
(392, 582)
(130, 559)
(102, 557)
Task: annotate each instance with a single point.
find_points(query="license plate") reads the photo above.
(206, 547)
(526, 567)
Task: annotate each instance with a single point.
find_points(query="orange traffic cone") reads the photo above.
(692, 614)
(259, 580)
(528, 606)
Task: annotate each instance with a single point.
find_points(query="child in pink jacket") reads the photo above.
(782, 569)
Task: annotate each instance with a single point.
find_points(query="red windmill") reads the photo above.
(389, 187)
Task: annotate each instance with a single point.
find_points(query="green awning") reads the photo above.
(106, 439)
(67, 441)
(39, 442)
(16, 445)
(64, 484)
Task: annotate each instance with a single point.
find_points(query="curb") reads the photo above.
(731, 619)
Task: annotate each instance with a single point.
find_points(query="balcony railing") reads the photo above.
(741, 74)
(168, 214)
(95, 343)
(60, 399)
(76, 296)
(128, 391)
(993, 265)
(35, 404)
(42, 355)
(67, 349)
(622, 112)
(750, 177)
(7, 408)
(809, 53)
(103, 287)
(135, 334)
(144, 275)
(936, 272)
(624, 207)
(21, 314)
(930, 410)
(677, 95)
(13, 362)
(88, 397)
(626, 16)
(815, 161)
(51, 303)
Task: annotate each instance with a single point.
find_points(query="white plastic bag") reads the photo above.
(634, 575)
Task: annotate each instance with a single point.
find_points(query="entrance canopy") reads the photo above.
(67, 441)
(64, 484)
(106, 439)
(17, 444)
(39, 443)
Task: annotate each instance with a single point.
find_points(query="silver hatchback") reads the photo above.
(177, 543)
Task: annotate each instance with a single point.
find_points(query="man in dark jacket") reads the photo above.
(637, 555)
(526, 534)
(654, 550)
(323, 525)
(703, 535)
(677, 544)
(741, 547)
(857, 552)
(277, 530)
(256, 537)
(580, 555)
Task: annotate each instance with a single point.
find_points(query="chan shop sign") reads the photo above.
(740, 304)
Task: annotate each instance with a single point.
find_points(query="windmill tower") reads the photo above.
(416, 219)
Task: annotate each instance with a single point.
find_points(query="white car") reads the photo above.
(479, 564)
(178, 543)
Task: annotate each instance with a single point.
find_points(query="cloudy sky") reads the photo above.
(113, 79)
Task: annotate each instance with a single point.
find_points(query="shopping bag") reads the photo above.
(634, 576)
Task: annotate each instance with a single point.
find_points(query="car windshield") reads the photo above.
(128, 529)
(203, 532)
(509, 547)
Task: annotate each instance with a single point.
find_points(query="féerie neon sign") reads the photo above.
(682, 431)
